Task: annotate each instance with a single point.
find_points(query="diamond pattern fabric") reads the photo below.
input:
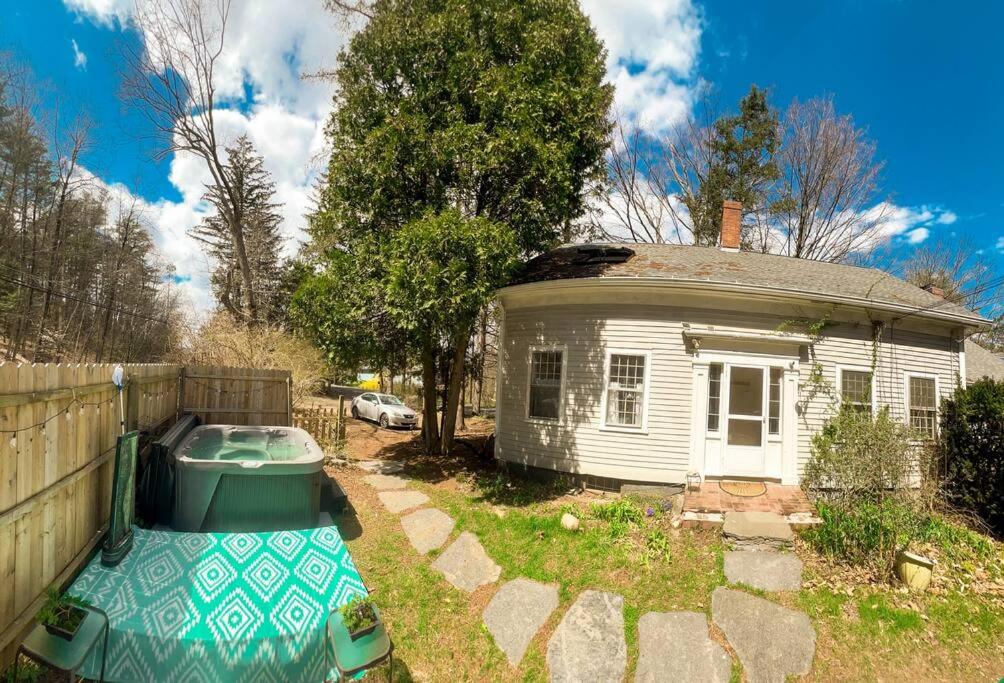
(220, 607)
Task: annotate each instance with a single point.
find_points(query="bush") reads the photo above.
(869, 480)
(972, 446)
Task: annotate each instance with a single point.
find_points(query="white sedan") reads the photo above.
(388, 410)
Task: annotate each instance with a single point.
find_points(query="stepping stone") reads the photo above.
(399, 501)
(769, 571)
(427, 529)
(772, 642)
(757, 529)
(588, 644)
(466, 565)
(517, 612)
(675, 646)
(379, 466)
(385, 482)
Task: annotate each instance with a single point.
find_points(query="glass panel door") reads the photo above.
(745, 407)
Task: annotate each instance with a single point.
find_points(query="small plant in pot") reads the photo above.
(359, 616)
(62, 614)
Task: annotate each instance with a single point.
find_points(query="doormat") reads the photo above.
(743, 489)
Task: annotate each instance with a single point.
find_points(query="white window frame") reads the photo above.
(624, 429)
(563, 348)
(780, 405)
(937, 398)
(840, 384)
(721, 397)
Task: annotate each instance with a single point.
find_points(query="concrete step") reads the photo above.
(757, 530)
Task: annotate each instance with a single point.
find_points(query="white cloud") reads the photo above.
(652, 54)
(79, 57)
(917, 235)
(1000, 244)
(947, 218)
(104, 12)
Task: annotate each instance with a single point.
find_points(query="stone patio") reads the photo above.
(516, 613)
(589, 644)
(676, 646)
(708, 503)
(466, 565)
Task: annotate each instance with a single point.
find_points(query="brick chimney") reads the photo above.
(934, 289)
(732, 213)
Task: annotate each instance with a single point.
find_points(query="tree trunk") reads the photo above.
(453, 389)
(430, 425)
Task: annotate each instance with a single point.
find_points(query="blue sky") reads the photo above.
(924, 80)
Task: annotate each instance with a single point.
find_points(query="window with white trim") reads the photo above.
(856, 390)
(774, 402)
(714, 395)
(545, 384)
(626, 390)
(922, 395)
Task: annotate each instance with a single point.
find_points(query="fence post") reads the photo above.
(181, 392)
(132, 392)
(341, 418)
(289, 401)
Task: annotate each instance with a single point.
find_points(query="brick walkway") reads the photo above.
(784, 500)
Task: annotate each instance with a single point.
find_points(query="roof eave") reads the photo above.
(974, 321)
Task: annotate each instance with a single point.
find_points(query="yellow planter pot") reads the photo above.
(914, 570)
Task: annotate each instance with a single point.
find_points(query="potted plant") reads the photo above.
(62, 614)
(914, 570)
(359, 616)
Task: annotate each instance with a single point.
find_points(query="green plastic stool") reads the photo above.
(68, 655)
(354, 656)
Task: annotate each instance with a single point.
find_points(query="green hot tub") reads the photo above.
(233, 478)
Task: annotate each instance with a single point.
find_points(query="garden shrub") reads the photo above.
(972, 447)
(869, 479)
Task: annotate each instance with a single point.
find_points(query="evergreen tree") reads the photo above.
(742, 149)
(254, 190)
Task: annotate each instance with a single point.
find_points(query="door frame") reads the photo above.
(707, 451)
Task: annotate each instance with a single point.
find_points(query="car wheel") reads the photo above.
(355, 413)
(384, 422)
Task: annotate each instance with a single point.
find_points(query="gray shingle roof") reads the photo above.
(982, 363)
(710, 264)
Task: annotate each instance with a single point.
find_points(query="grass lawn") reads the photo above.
(864, 632)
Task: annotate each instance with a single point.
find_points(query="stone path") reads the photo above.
(516, 613)
(588, 644)
(427, 529)
(676, 646)
(772, 642)
(466, 565)
(386, 482)
(399, 501)
(768, 571)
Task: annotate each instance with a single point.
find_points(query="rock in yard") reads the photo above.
(675, 646)
(588, 644)
(570, 522)
(757, 529)
(385, 482)
(517, 612)
(772, 642)
(427, 529)
(399, 501)
(769, 571)
(466, 565)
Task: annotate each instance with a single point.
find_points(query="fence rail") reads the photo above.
(58, 428)
(326, 425)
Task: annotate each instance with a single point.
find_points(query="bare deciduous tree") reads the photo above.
(965, 274)
(172, 82)
(829, 206)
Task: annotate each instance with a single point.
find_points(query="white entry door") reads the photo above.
(745, 421)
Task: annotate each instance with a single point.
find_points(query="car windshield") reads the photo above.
(389, 400)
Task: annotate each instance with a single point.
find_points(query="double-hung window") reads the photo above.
(922, 404)
(626, 390)
(546, 367)
(856, 390)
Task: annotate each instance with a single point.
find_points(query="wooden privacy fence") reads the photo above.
(58, 428)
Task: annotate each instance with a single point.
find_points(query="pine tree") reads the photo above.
(263, 240)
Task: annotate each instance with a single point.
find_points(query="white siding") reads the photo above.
(577, 444)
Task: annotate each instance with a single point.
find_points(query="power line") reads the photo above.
(96, 304)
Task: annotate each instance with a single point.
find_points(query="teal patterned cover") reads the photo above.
(220, 607)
